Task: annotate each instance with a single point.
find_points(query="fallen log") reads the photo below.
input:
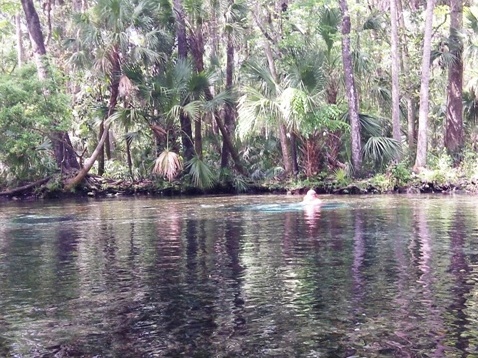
(25, 187)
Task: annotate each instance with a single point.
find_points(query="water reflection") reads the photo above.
(210, 277)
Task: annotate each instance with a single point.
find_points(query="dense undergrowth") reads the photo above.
(441, 177)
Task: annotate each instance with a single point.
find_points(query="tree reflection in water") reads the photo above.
(163, 278)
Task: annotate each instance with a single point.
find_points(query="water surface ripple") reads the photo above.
(241, 276)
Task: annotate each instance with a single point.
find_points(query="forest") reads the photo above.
(129, 96)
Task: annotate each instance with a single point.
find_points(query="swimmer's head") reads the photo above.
(311, 193)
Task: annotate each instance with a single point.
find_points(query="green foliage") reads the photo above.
(27, 117)
(383, 182)
(201, 175)
(342, 177)
(238, 182)
(401, 173)
(327, 117)
(441, 170)
(381, 150)
(470, 165)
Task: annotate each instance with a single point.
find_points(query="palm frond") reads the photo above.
(374, 22)
(219, 100)
(370, 125)
(168, 164)
(381, 150)
(131, 136)
(128, 117)
(329, 20)
(471, 20)
(262, 74)
(255, 109)
(202, 176)
(193, 109)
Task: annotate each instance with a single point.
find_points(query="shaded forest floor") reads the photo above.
(99, 187)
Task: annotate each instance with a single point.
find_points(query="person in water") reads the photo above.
(311, 198)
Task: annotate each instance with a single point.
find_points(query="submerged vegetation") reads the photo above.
(136, 96)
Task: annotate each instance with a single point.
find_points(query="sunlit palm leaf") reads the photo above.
(471, 20)
(193, 109)
(264, 77)
(127, 117)
(168, 164)
(256, 110)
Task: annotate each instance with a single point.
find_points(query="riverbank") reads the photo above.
(98, 187)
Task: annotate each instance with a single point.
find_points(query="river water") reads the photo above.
(240, 276)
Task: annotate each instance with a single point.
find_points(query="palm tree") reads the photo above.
(196, 17)
(271, 32)
(186, 128)
(111, 35)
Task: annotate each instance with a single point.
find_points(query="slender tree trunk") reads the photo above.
(185, 121)
(20, 50)
(421, 158)
(128, 158)
(272, 31)
(283, 137)
(293, 152)
(229, 114)
(101, 154)
(198, 137)
(73, 182)
(197, 49)
(65, 156)
(454, 134)
(397, 135)
(113, 101)
(411, 132)
(351, 92)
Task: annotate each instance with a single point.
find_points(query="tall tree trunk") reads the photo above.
(421, 158)
(283, 132)
(351, 92)
(229, 114)
(272, 35)
(20, 50)
(196, 41)
(185, 121)
(198, 137)
(397, 135)
(65, 156)
(454, 135)
(411, 132)
(101, 154)
(73, 182)
(128, 158)
(114, 78)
